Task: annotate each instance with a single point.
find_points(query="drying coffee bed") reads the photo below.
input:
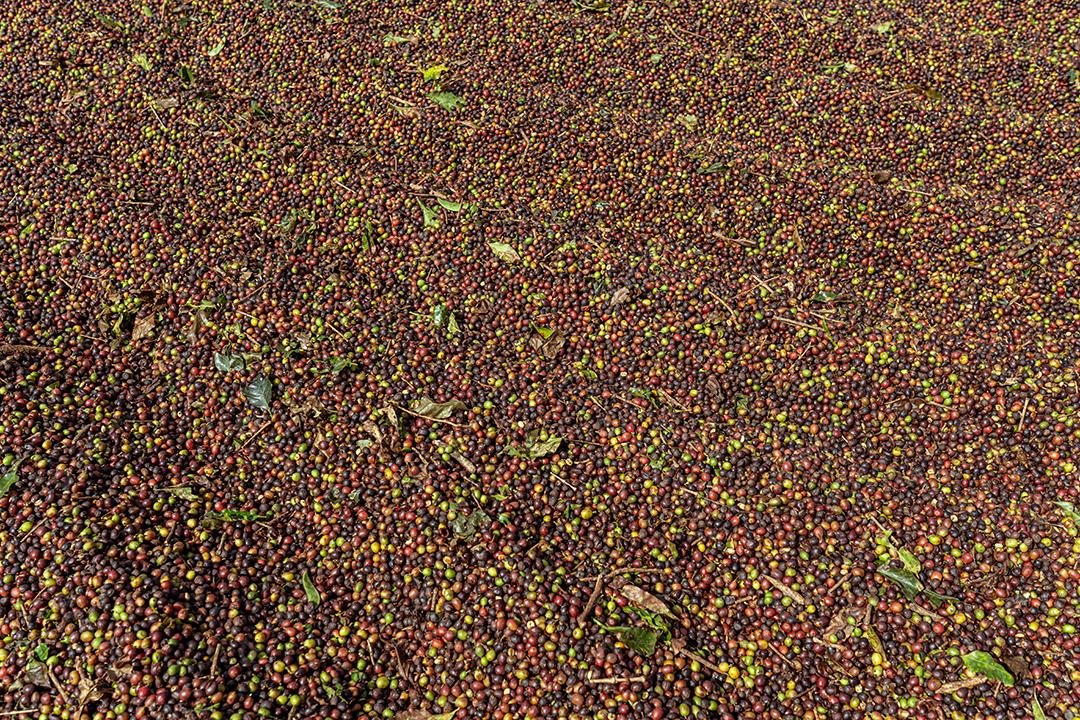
(541, 359)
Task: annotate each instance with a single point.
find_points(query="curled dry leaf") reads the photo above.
(464, 462)
(1017, 665)
(424, 715)
(372, 429)
(950, 687)
(144, 324)
(620, 296)
(550, 346)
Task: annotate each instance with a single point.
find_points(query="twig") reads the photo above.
(673, 28)
(1023, 414)
(928, 613)
(336, 331)
(796, 323)
(214, 661)
(916, 192)
(615, 680)
(780, 655)
(584, 616)
(722, 302)
(13, 713)
(158, 118)
(6, 349)
(255, 434)
(679, 646)
(737, 241)
(627, 571)
(425, 417)
(784, 589)
(56, 684)
(344, 186)
(839, 581)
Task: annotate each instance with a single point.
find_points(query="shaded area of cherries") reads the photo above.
(814, 271)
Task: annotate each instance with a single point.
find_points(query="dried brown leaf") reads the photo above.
(950, 687)
(620, 296)
(643, 599)
(144, 324)
(424, 715)
(372, 429)
(428, 408)
(464, 462)
(1017, 665)
(548, 347)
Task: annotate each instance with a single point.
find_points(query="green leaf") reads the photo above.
(310, 590)
(431, 216)
(438, 315)
(141, 60)
(41, 652)
(228, 363)
(427, 408)
(446, 100)
(233, 516)
(452, 327)
(911, 563)
(927, 92)
(875, 642)
(339, 365)
(535, 448)
(825, 296)
(883, 27)
(216, 50)
(7, 480)
(545, 447)
(504, 251)
(655, 58)
(328, 4)
(1069, 510)
(288, 223)
(640, 640)
(466, 526)
(846, 66)
(712, 168)
(1036, 709)
(937, 598)
(908, 582)
(109, 21)
(453, 206)
(183, 492)
(984, 664)
(258, 111)
(688, 121)
(260, 393)
(186, 76)
(545, 332)
(434, 72)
